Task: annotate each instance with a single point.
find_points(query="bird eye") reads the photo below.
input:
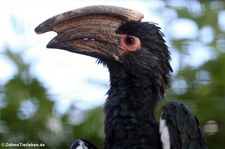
(130, 43)
(129, 40)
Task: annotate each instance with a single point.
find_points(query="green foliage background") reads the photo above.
(27, 112)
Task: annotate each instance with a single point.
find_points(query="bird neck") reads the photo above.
(130, 111)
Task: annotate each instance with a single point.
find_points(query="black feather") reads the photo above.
(82, 143)
(184, 129)
(137, 85)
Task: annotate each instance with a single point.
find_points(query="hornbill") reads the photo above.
(138, 61)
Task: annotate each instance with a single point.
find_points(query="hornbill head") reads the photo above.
(114, 35)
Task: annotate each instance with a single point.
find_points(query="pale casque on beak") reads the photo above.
(89, 30)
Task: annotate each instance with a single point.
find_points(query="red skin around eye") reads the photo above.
(129, 47)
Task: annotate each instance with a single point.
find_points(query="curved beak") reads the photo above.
(89, 30)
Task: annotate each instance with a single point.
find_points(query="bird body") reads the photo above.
(138, 61)
(129, 122)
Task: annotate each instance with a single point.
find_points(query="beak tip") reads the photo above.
(39, 29)
(54, 44)
(43, 27)
(51, 45)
